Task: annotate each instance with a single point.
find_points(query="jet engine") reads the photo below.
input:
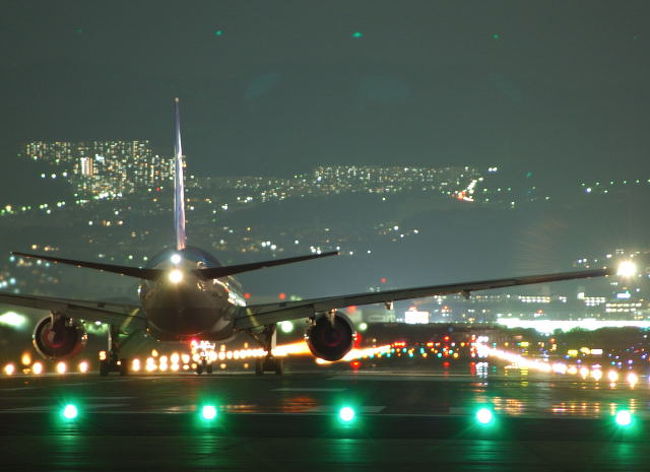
(330, 340)
(58, 336)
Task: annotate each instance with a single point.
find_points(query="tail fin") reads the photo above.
(179, 182)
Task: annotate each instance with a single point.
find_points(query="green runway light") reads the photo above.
(357, 34)
(218, 33)
(623, 418)
(70, 412)
(484, 416)
(208, 412)
(347, 414)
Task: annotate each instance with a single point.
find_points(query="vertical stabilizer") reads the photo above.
(179, 181)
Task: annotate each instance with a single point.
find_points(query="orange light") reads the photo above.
(282, 296)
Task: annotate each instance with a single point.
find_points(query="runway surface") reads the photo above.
(404, 418)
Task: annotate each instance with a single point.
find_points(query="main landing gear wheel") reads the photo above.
(112, 362)
(204, 366)
(269, 364)
(109, 365)
(267, 340)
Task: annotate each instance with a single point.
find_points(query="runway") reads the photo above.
(414, 418)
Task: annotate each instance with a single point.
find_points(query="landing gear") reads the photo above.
(203, 366)
(110, 361)
(270, 363)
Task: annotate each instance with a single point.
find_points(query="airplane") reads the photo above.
(186, 294)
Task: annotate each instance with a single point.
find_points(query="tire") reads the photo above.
(124, 367)
(259, 367)
(103, 368)
(199, 369)
(278, 366)
(209, 369)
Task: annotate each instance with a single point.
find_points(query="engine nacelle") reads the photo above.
(330, 341)
(65, 338)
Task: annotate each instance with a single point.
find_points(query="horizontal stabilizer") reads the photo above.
(153, 274)
(218, 272)
(148, 274)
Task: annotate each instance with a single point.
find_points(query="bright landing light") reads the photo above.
(175, 259)
(626, 269)
(175, 276)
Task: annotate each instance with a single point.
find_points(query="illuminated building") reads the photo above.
(102, 169)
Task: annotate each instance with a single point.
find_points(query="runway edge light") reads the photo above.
(484, 416)
(346, 414)
(208, 412)
(623, 418)
(70, 411)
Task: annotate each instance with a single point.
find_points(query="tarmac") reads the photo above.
(403, 418)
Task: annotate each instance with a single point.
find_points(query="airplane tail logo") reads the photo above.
(179, 182)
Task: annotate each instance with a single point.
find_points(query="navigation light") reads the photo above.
(176, 259)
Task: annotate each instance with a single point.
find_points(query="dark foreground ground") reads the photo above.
(405, 420)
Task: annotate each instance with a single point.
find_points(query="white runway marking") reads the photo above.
(42, 408)
(307, 389)
(85, 397)
(400, 378)
(332, 409)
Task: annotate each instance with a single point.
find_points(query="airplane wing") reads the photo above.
(260, 315)
(118, 314)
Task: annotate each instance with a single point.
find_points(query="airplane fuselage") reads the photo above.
(181, 306)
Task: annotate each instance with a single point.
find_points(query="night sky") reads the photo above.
(274, 87)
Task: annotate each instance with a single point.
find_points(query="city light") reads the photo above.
(9, 369)
(84, 367)
(37, 368)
